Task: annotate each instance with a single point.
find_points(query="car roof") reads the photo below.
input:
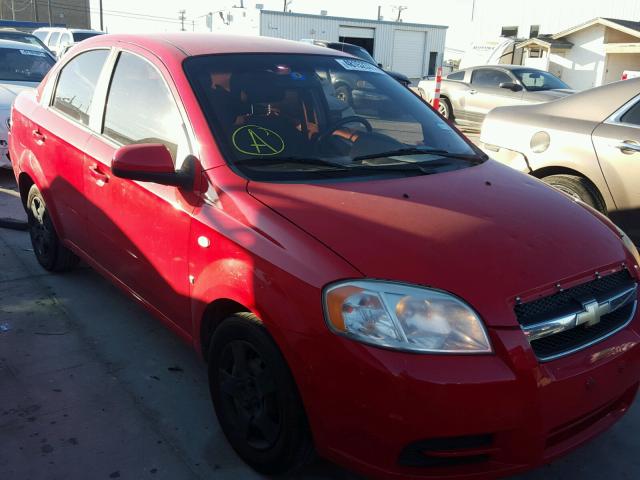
(593, 105)
(192, 44)
(20, 45)
(504, 66)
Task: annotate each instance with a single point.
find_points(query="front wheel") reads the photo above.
(444, 108)
(49, 250)
(256, 399)
(578, 188)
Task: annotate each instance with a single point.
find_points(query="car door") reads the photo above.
(617, 144)
(485, 93)
(140, 230)
(60, 133)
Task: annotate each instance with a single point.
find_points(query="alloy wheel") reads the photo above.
(249, 395)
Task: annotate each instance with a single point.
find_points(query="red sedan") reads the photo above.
(361, 280)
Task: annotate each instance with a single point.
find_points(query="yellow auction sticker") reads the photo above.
(256, 140)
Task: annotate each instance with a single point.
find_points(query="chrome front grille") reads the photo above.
(578, 317)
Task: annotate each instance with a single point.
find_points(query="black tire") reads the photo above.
(256, 399)
(445, 108)
(49, 250)
(344, 93)
(578, 188)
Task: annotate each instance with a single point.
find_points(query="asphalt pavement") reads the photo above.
(93, 387)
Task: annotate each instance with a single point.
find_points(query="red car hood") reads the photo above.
(487, 233)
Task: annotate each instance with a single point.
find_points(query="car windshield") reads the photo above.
(279, 117)
(18, 65)
(536, 80)
(79, 36)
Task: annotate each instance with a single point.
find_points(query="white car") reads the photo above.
(59, 40)
(22, 67)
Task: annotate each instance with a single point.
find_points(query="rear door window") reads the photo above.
(632, 115)
(488, 77)
(77, 83)
(53, 39)
(66, 39)
(141, 109)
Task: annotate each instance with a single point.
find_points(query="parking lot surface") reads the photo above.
(92, 386)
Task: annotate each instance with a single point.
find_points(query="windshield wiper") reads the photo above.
(422, 151)
(333, 166)
(291, 159)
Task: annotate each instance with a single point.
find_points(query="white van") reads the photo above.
(59, 40)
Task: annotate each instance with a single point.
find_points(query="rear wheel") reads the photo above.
(578, 188)
(48, 248)
(256, 399)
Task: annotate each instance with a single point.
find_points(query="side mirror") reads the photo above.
(380, 65)
(152, 162)
(511, 86)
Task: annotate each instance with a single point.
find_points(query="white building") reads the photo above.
(587, 55)
(411, 48)
(520, 19)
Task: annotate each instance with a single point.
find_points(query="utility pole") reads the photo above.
(182, 17)
(13, 10)
(400, 8)
(473, 9)
(35, 10)
(379, 12)
(101, 18)
(49, 8)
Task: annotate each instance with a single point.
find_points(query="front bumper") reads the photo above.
(489, 416)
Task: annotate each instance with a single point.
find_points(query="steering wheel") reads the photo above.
(343, 121)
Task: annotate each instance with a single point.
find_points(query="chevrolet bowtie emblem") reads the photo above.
(592, 313)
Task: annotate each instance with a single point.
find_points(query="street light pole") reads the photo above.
(101, 18)
(49, 8)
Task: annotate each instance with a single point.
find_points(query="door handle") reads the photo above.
(100, 177)
(628, 147)
(40, 138)
(472, 92)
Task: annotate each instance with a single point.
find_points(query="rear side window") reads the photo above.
(456, 76)
(487, 77)
(141, 109)
(76, 84)
(633, 115)
(53, 39)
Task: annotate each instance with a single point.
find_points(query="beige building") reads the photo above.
(587, 55)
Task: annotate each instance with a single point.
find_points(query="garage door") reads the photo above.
(408, 52)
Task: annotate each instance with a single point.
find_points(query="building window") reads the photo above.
(534, 31)
(535, 53)
(509, 32)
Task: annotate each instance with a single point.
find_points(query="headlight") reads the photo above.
(403, 317)
(630, 245)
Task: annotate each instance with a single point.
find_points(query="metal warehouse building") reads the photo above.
(410, 48)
